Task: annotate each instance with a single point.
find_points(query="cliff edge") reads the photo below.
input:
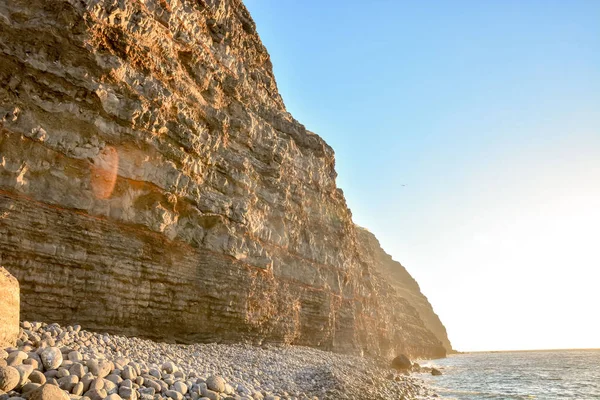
(153, 184)
(406, 286)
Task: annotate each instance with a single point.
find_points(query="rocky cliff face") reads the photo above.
(152, 184)
(403, 283)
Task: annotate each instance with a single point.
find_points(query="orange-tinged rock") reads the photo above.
(9, 308)
(49, 392)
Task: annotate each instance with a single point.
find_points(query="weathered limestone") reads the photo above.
(153, 184)
(9, 309)
(404, 284)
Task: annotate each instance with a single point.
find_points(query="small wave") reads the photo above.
(464, 392)
(482, 395)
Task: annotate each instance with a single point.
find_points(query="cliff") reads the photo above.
(153, 184)
(403, 282)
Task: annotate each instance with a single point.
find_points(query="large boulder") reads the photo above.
(52, 358)
(9, 309)
(9, 378)
(401, 362)
(48, 392)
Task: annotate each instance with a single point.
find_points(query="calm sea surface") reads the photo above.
(568, 374)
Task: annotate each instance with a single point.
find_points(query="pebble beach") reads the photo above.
(51, 362)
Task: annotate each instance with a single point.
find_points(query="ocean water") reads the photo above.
(565, 374)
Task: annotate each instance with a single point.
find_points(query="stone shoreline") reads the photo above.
(95, 366)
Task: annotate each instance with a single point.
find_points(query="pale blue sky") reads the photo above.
(489, 113)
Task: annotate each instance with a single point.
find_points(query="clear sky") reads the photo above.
(489, 113)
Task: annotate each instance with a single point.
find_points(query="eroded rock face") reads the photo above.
(9, 309)
(153, 184)
(403, 282)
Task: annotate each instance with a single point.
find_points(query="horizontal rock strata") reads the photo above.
(153, 184)
(403, 282)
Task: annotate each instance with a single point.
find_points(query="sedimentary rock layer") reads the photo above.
(9, 309)
(153, 184)
(403, 282)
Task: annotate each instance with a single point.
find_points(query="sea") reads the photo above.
(560, 374)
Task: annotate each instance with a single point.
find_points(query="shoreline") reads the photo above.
(181, 371)
(524, 351)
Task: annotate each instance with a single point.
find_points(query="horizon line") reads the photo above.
(524, 350)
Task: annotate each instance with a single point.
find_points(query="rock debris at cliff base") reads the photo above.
(95, 366)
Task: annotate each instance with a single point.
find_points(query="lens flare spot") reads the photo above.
(104, 172)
